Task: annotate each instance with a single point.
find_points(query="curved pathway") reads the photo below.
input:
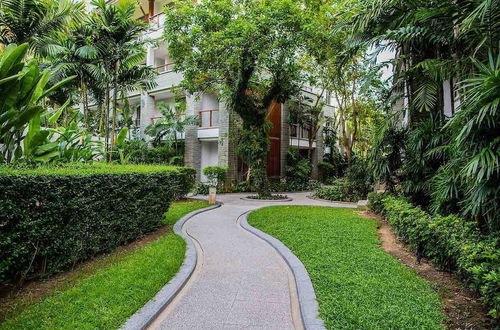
(240, 281)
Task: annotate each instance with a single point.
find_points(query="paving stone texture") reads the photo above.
(241, 281)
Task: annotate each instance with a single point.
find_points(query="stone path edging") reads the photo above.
(305, 291)
(148, 313)
(288, 199)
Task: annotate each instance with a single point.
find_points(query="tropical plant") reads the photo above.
(34, 21)
(21, 108)
(73, 54)
(166, 130)
(386, 156)
(475, 143)
(308, 114)
(120, 56)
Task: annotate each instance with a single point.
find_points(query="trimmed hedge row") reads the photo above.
(50, 219)
(449, 242)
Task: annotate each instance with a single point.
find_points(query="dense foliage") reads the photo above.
(22, 136)
(54, 217)
(439, 143)
(449, 242)
(141, 152)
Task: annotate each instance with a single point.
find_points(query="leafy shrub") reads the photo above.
(326, 171)
(298, 169)
(449, 242)
(51, 218)
(340, 190)
(376, 202)
(201, 188)
(139, 152)
(359, 178)
(216, 175)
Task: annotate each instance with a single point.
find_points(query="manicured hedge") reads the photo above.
(449, 242)
(51, 218)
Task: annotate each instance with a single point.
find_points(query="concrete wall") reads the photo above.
(209, 156)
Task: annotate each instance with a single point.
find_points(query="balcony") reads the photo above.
(209, 118)
(156, 22)
(167, 67)
(298, 132)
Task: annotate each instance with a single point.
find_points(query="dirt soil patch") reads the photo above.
(461, 305)
(14, 299)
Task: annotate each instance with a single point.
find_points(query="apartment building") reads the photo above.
(212, 142)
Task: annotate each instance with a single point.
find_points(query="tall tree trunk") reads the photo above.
(115, 105)
(106, 121)
(83, 92)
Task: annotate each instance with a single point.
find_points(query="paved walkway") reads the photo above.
(240, 281)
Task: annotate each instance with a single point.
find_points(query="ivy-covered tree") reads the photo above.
(247, 52)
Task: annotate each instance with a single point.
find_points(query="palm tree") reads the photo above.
(117, 39)
(169, 125)
(33, 21)
(71, 54)
(451, 165)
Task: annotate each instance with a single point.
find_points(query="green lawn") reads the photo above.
(357, 284)
(112, 291)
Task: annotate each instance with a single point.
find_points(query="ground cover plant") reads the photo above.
(358, 286)
(53, 218)
(86, 300)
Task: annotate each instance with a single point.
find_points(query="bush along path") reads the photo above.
(103, 294)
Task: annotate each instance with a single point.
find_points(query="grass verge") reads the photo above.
(358, 286)
(102, 294)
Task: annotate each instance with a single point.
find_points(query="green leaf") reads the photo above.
(57, 85)
(53, 119)
(121, 136)
(12, 55)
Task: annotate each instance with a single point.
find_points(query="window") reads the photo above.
(209, 118)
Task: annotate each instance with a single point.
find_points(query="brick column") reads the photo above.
(285, 139)
(317, 154)
(192, 153)
(226, 149)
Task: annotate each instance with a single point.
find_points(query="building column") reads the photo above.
(147, 101)
(317, 154)
(147, 111)
(192, 145)
(285, 139)
(226, 149)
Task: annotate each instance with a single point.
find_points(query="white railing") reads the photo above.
(156, 22)
(167, 67)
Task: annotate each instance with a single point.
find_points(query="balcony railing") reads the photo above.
(298, 132)
(209, 118)
(167, 67)
(156, 22)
